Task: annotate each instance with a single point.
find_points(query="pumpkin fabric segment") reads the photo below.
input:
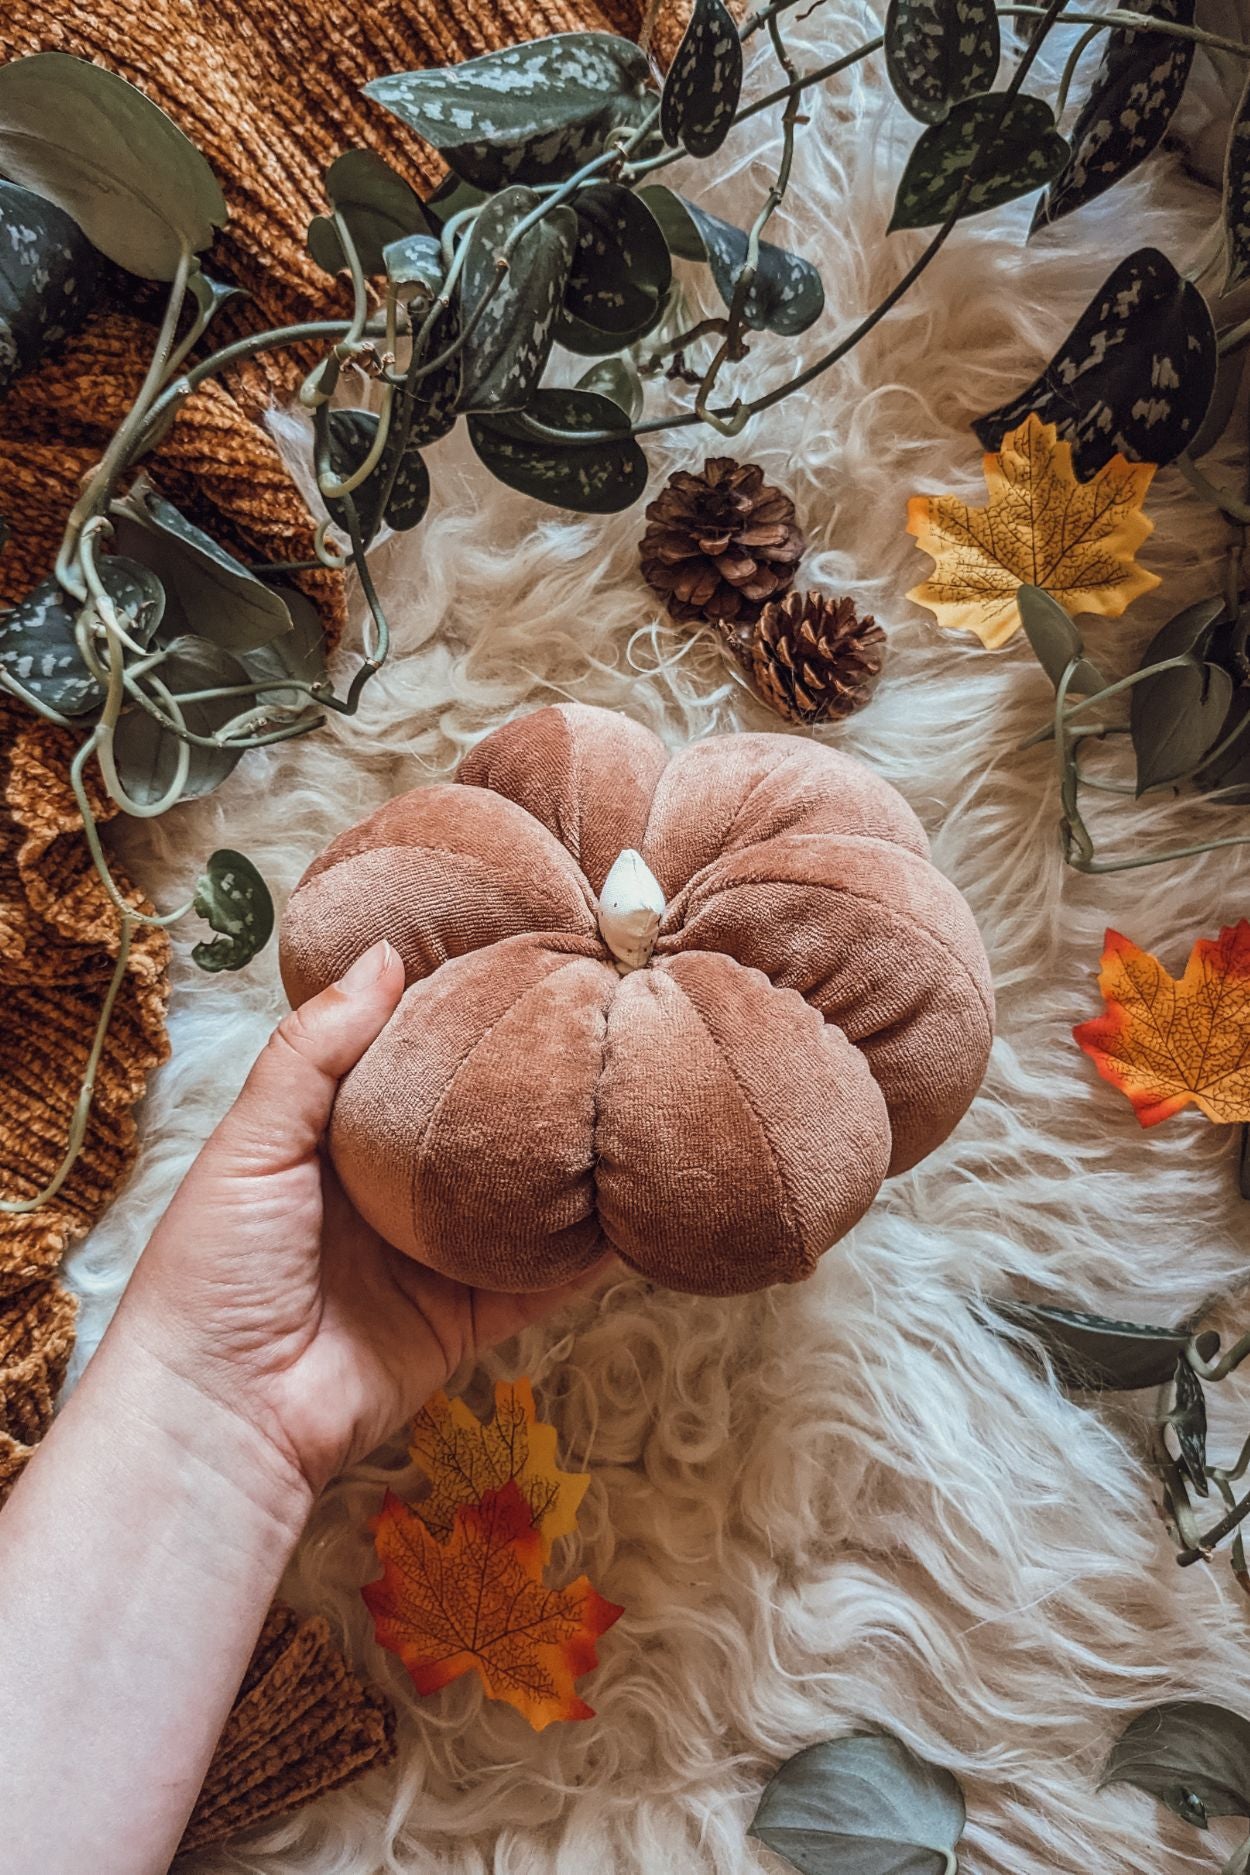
(815, 1016)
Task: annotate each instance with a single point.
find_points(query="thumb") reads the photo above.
(284, 1107)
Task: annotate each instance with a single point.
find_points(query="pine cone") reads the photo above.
(720, 545)
(812, 658)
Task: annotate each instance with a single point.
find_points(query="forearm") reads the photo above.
(138, 1555)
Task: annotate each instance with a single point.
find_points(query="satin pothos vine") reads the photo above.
(169, 659)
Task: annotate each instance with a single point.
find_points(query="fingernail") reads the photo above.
(367, 969)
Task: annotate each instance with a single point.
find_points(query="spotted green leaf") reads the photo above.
(233, 898)
(940, 52)
(1192, 1755)
(50, 279)
(1014, 146)
(378, 206)
(415, 267)
(1188, 1420)
(96, 146)
(147, 754)
(508, 345)
(1135, 91)
(592, 477)
(618, 379)
(1097, 1352)
(532, 113)
(398, 490)
(38, 649)
(621, 268)
(1237, 195)
(208, 593)
(787, 294)
(704, 81)
(862, 1805)
(1134, 375)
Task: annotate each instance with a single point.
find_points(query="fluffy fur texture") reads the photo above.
(842, 1503)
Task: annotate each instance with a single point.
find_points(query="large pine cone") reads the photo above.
(812, 658)
(720, 545)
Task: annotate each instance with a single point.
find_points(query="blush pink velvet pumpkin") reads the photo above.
(815, 1015)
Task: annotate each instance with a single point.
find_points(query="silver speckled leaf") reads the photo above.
(939, 52)
(505, 353)
(531, 113)
(1015, 148)
(1097, 1351)
(1136, 89)
(50, 278)
(592, 477)
(38, 650)
(1237, 194)
(1134, 375)
(621, 267)
(787, 294)
(704, 81)
(235, 901)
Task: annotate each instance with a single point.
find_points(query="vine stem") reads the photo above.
(1142, 22)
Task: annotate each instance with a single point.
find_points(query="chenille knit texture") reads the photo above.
(271, 93)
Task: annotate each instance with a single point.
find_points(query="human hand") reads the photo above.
(264, 1288)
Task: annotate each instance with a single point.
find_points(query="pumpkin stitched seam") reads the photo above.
(749, 1104)
(453, 852)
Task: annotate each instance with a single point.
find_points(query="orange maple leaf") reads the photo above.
(1166, 1041)
(1040, 527)
(478, 1603)
(464, 1457)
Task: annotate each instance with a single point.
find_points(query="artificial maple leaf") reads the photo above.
(1165, 1042)
(478, 1603)
(464, 1457)
(1041, 527)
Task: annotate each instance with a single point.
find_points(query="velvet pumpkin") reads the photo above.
(814, 1012)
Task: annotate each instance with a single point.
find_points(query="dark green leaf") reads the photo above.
(1188, 1420)
(208, 593)
(234, 899)
(299, 653)
(939, 52)
(1192, 1755)
(415, 266)
(1015, 147)
(88, 141)
(534, 112)
(452, 196)
(398, 490)
(618, 379)
(621, 268)
(506, 351)
(38, 649)
(378, 206)
(587, 341)
(351, 434)
(1136, 88)
(210, 295)
(1175, 717)
(435, 399)
(50, 279)
(1056, 641)
(591, 477)
(1134, 374)
(1187, 633)
(1094, 1352)
(704, 81)
(787, 295)
(863, 1805)
(1237, 195)
(147, 754)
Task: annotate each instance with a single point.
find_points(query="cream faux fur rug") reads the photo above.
(844, 1504)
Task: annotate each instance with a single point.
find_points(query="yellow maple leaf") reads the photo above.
(1166, 1041)
(1041, 527)
(464, 1457)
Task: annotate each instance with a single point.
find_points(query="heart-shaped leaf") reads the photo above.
(1094, 1352)
(208, 593)
(1174, 718)
(1056, 641)
(939, 52)
(618, 379)
(1136, 89)
(1134, 375)
(1237, 195)
(415, 266)
(787, 294)
(1188, 1420)
(1014, 146)
(621, 268)
(88, 141)
(591, 477)
(506, 351)
(1192, 1755)
(704, 81)
(50, 279)
(863, 1805)
(38, 648)
(588, 341)
(398, 490)
(146, 754)
(234, 899)
(299, 653)
(378, 206)
(532, 113)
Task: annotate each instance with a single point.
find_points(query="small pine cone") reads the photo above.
(720, 545)
(813, 659)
